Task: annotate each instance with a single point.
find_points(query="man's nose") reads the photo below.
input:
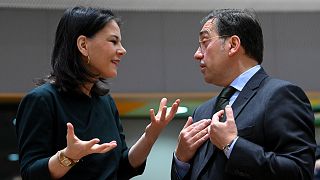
(198, 55)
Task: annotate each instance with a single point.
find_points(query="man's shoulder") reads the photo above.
(280, 84)
(275, 82)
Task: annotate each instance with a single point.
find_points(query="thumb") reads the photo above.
(189, 122)
(70, 131)
(218, 115)
(229, 113)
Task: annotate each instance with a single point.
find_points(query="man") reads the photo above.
(267, 134)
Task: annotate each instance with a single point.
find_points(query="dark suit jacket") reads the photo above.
(275, 126)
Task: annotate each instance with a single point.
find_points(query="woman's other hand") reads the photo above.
(76, 148)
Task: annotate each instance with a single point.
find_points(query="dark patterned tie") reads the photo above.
(223, 99)
(221, 102)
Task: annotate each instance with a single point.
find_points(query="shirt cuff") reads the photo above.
(227, 153)
(182, 167)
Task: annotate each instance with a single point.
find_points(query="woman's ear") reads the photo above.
(82, 45)
(234, 45)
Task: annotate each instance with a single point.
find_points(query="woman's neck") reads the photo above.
(86, 89)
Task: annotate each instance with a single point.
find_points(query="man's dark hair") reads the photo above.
(242, 23)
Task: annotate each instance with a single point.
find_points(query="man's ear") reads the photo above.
(234, 45)
(82, 45)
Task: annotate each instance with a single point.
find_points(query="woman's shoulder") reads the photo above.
(40, 97)
(44, 91)
(110, 101)
(107, 99)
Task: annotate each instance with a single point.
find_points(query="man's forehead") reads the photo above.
(208, 27)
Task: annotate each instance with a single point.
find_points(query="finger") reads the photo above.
(152, 115)
(197, 127)
(200, 134)
(92, 142)
(214, 120)
(175, 106)
(229, 113)
(200, 141)
(70, 131)
(188, 123)
(216, 116)
(219, 113)
(113, 142)
(163, 102)
(178, 101)
(105, 147)
(108, 148)
(173, 109)
(163, 113)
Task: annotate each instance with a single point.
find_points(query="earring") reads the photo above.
(88, 61)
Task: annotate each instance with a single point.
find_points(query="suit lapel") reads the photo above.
(244, 97)
(206, 150)
(249, 90)
(204, 156)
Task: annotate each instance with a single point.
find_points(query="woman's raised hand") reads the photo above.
(161, 120)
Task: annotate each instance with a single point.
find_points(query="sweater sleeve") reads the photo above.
(126, 171)
(34, 134)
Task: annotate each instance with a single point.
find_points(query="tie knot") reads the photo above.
(223, 98)
(227, 92)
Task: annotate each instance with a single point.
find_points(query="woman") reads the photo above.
(67, 128)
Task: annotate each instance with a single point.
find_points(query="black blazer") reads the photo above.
(276, 140)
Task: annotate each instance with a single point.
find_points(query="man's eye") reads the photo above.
(204, 41)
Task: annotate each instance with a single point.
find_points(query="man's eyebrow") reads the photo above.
(203, 33)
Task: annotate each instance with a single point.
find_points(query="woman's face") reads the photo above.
(104, 51)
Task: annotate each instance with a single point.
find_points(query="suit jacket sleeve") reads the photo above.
(174, 171)
(175, 174)
(287, 149)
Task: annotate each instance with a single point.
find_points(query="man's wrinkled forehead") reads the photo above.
(208, 27)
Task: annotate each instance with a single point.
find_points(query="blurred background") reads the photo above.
(160, 37)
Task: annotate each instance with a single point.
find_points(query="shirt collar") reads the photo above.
(242, 80)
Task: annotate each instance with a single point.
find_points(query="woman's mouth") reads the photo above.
(116, 61)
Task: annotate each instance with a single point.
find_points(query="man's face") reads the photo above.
(212, 54)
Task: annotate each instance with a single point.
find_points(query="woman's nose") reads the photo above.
(122, 51)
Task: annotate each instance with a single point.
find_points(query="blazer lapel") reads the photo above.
(250, 89)
(206, 152)
(207, 149)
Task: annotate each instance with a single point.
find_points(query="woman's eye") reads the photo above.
(113, 41)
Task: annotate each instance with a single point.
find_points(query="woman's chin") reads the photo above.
(110, 75)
